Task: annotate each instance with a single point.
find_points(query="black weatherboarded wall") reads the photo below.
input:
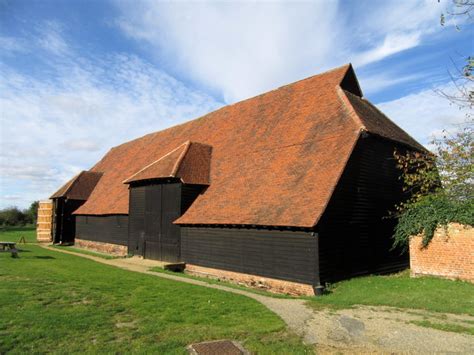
(284, 255)
(355, 231)
(106, 229)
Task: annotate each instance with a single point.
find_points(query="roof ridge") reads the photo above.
(177, 165)
(413, 144)
(154, 162)
(206, 115)
(342, 94)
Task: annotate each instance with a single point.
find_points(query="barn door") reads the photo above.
(153, 209)
(136, 231)
(170, 233)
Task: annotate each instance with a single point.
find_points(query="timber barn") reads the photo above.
(289, 189)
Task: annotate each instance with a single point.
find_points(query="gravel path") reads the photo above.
(359, 330)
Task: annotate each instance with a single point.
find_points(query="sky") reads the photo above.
(78, 77)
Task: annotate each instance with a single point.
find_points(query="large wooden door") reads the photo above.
(136, 224)
(153, 205)
(170, 235)
(153, 208)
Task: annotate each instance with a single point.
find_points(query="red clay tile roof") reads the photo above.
(375, 122)
(189, 162)
(79, 187)
(276, 158)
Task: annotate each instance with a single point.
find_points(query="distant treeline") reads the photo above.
(13, 216)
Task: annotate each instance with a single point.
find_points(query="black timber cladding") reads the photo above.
(154, 207)
(284, 255)
(106, 229)
(64, 222)
(355, 231)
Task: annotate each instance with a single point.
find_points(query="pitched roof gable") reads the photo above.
(79, 187)
(276, 158)
(189, 162)
(375, 122)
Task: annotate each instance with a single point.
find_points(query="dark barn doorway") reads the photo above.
(64, 222)
(153, 208)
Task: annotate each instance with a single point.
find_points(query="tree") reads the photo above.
(32, 212)
(440, 186)
(462, 76)
(12, 216)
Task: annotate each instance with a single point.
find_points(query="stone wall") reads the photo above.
(107, 248)
(450, 253)
(258, 282)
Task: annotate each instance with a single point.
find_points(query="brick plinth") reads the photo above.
(450, 253)
(107, 248)
(258, 282)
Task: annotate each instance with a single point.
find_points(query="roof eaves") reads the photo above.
(71, 183)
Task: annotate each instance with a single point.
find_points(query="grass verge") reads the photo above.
(402, 291)
(447, 327)
(213, 281)
(86, 252)
(62, 303)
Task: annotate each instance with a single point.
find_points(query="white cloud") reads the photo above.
(12, 45)
(240, 49)
(424, 114)
(243, 49)
(80, 111)
(392, 43)
(51, 38)
(376, 82)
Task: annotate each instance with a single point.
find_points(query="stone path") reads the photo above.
(355, 330)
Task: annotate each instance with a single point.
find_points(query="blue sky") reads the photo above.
(78, 77)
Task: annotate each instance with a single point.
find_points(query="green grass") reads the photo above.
(62, 303)
(86, 252)
(402, 291)
(13, 234)
(447, 327)
(213, 281)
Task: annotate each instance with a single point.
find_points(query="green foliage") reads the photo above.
(439, 186)
(13, 216)
(428, 213)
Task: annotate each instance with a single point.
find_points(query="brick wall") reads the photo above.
(258, 282)
(450, 253)
(107, 248)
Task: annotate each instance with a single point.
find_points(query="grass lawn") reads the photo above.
(445, 327)
(214, 281)
(13, 234)
(56, 302)
(400, 290)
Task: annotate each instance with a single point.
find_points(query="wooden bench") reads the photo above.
(9, 247)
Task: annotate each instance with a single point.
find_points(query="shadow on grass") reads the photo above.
(44, 257)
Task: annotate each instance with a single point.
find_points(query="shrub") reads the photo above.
(439, 185)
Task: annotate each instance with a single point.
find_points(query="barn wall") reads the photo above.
(283, 255)
(111, 229)
(64, 226)
(354, 233)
